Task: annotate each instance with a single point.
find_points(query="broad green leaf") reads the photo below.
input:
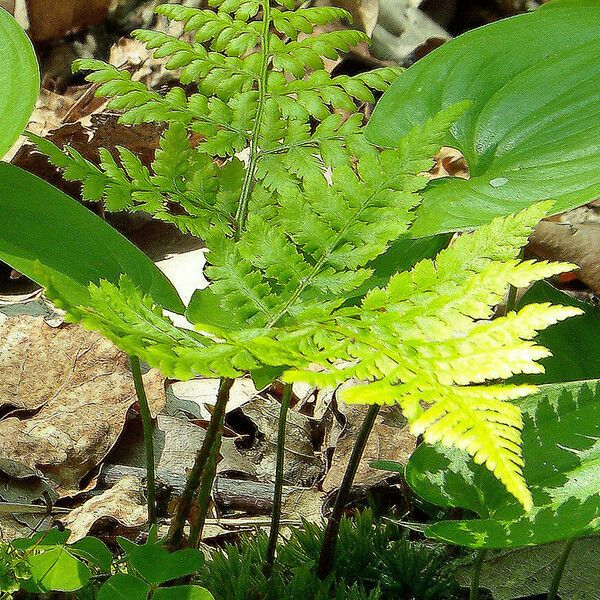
(45, 234)
(527, 572)
(19, 81)
(124, 587)
(561, 450)
(94, 551)
(183, 592)
(575, 343)
(154, 563)
(531, 132)
(56, 569)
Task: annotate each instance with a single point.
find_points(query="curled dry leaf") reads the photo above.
(122, 503)
(573, 237)
(364, 13)
(405, 33)
(78, 387)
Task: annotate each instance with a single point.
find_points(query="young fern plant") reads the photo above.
(293, 204)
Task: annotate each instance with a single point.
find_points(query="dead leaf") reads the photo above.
(388, 441)
(28, 491)
(122, 503)
(574, 242)
(176, 442)
(197, 395)
(304, 504)
(403, 29)
(302, 466)
(364, 13)
(79, 386)
(449, 162)
(52, 19)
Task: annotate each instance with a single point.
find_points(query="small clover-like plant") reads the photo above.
(147, 567)
(294, 204)
(46, 562)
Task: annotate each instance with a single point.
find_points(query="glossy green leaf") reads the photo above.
(46, 234)
(42, 539)
(19, 80)
(124, 587)
(56, 569)
(531, 132)
(154, 563)
(561, 450)
(574, 343)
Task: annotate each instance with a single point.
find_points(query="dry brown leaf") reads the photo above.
(304, 504)
(81, 387)
(24, 491)
(449, 162)
(197, 395)
(176, 442)
(302, 466)
(386, 442)
(122, 503)
(575, 242)
(404, 33)
(52, 19)
(364, 12)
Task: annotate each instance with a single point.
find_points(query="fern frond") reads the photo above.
(294, 204)
(426, 338)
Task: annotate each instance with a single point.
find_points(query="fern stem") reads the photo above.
(203, 499)
(242, 209)
(278, 495)
(511, 298)
(474, 593)
(560, 568)
(327, 557)
(138, 382)
(212, 438)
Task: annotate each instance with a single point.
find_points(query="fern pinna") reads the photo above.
(294, 204)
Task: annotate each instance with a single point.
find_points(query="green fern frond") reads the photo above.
(293, 204)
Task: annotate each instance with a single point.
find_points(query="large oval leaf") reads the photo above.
(533, 129)
(19, 81)
(561, 450)
(574, 343)
(45, 234)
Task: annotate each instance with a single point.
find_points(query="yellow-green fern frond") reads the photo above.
(428, 342)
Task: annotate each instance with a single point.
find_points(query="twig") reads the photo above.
(560, 568)
(474, 593)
